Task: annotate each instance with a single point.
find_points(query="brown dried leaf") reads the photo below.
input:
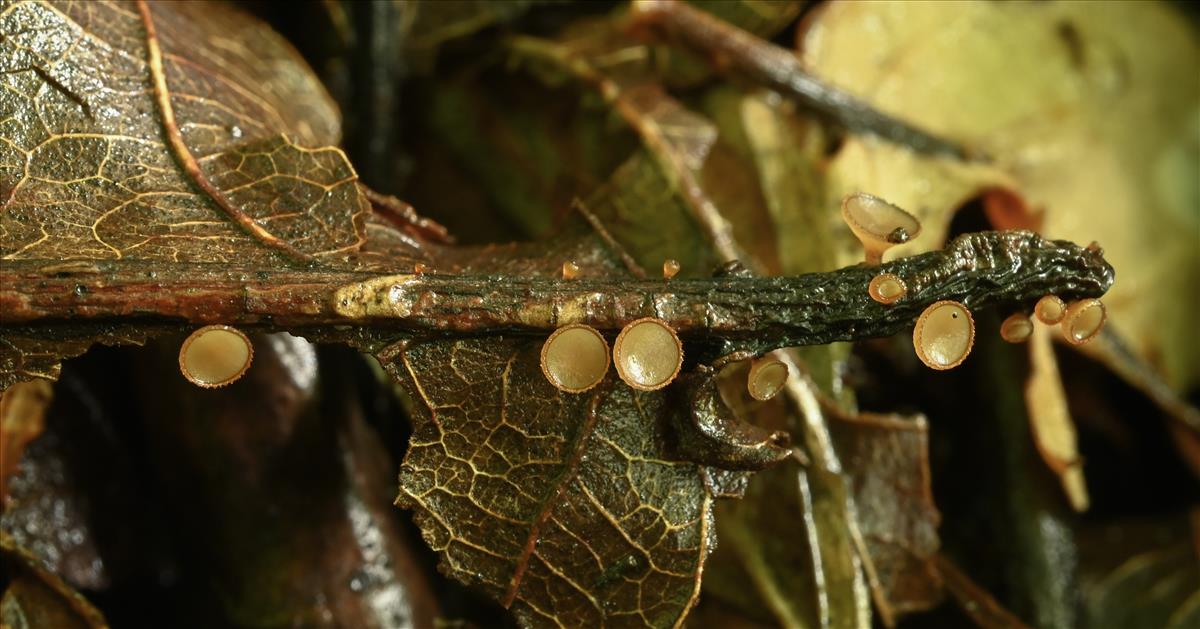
(171, 132)
(887, 459)
(93, 178)
(567, 507)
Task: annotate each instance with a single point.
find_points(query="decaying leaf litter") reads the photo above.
(676, 152)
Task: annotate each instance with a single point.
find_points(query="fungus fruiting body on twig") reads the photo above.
(214, 356)
(1083, 320)
(767, 377)
(944, 335)
(570, 270)
(575, 358)
(670, 268)
(1017, 328)
(887, 289)
(1050, 309)
(648, 354)
(877, 224)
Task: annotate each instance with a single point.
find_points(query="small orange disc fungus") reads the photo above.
(766, 379)
(648, 354)
(877, 224)
(1017, 328)
(570, 270)
(1083, 321)
(670, 268)
(944, 335)
(1050, 309)
(887, 289)
(214, 356)
(575, 358)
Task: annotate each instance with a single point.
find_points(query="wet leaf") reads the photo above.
(142, 149)
(565, 507)
(887, 460)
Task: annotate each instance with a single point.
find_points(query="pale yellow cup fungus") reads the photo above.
(575, 358)
(766, 379)
(944, 335)
(877, 224)
(1050, 309)
(887, 289)
(1083, 320)
(1017, 328)
(648, 354)
(214, 356)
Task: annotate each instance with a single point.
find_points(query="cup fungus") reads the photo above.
(214, 356)
(887, 289)
(944, 335)
(1050, 309)
(570, 270)
(1017, 328)
(767, 377)
(877, 224)
(575, 358)
(670, 268)
(1083, 320)
(648, 354)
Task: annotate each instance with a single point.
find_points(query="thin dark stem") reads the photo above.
(746, 55)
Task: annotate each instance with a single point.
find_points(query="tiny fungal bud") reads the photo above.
(648, 354)
(944, 335)
(1017, 328)
(1050, 309)
(214, 356)
(575, 358)
(887, 289)
(420, 268)
(767, 377)
(1083, 321)
(877, 224)
(670, 268)
(570, 270)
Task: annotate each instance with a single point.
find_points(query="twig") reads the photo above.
(743, 54)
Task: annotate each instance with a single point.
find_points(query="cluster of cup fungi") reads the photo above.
(945, 332)
(648, 353)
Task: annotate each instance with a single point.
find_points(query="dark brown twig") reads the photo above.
(743, 54)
